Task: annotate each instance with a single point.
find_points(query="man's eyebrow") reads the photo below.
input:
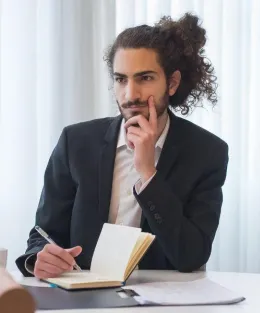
(119, 74)
(136, 74)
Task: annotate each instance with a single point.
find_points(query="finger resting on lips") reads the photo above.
(152, 113)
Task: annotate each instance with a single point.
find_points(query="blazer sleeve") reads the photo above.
(55, 205)
(186, 231)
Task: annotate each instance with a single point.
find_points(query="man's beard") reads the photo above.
(160, 107)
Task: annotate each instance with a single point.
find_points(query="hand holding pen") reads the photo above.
(53, 260)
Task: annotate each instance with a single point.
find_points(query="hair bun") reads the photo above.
(186, 30)
(190, 28)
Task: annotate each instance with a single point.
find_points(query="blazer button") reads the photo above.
(149, 203)
(157, 216)
(159, 220)
(152, 208)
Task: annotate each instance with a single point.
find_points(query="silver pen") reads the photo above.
(48, 238)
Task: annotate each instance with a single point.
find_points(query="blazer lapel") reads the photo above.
(171, 147)
(106, 167)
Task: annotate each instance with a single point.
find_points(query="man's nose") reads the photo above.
(132, 92)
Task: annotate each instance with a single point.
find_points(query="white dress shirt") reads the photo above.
(124, 208)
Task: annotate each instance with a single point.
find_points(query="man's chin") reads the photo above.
(128, 116)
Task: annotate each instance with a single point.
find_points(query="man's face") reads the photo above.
(137, 76)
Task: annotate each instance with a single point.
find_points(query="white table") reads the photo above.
(247, 285)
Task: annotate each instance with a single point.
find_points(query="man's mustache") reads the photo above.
(129, 104)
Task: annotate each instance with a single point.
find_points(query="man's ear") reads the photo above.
(174, 82)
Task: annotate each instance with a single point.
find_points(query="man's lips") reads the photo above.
(136, 107)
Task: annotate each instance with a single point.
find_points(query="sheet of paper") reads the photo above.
(113, 250)
(198, 292)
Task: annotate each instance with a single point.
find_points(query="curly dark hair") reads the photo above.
(179, 45)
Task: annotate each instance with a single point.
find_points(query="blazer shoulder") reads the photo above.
(94, 128)
(198, 134)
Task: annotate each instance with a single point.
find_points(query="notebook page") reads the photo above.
(139, 243)
(78, 277)
(113, 250)
(199, 292)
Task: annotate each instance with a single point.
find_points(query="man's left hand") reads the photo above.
(143, 139)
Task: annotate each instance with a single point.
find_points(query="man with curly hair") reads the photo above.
(146, 167)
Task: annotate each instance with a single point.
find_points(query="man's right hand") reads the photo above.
(54, 260)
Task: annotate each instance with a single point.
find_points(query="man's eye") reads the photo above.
(120, 80)
(147, 78)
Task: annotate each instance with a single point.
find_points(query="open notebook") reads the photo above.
(118, 251)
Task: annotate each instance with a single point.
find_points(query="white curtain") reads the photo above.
(52, 74)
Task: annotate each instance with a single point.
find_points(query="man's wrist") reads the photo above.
(147, 175)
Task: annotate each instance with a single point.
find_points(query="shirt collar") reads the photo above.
(121, 138)
(162, 138)
(160, 142)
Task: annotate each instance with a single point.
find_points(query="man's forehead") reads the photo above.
(132, 61)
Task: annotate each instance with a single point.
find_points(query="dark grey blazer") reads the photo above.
(181, 205)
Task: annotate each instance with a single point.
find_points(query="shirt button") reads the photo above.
(129, 192)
